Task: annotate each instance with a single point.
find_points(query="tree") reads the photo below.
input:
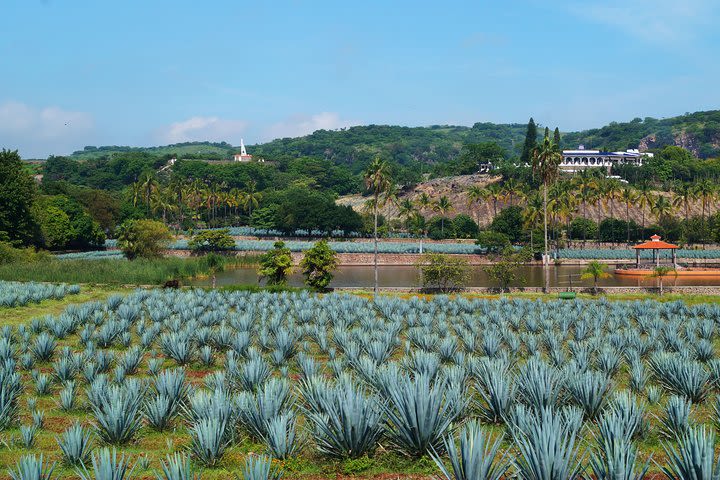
(443, 207)
(509, 222)
(546, 163)
(318, 264)
(445, 273)
(55, 228)
(504, 269)
(377, 180)
(417, 226)
(660, 272)
(556, 138)
(17, 191)
(627, 195)
(464, 227)
(530, 143)
(212, 241)
(251, 197)
(276, 264)
(492, 241)
(143, 238)
(596, 271)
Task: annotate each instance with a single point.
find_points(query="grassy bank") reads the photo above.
(114, 271)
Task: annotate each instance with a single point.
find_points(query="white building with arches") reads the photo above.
(580, 159)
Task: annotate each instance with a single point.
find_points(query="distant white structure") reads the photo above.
(580, 159)
(243, 155)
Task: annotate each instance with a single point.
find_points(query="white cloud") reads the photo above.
(300, 125)
(38, 132)
(201, 129)
(656, 21)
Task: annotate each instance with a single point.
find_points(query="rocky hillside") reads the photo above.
(455, 187)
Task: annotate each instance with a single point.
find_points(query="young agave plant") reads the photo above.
(106, 466)
(615, 456)
(177, 467)
(694, 456)
(75, 444)
(208, 440)
(476, 459)
(547, 447)
(30, 467)
(589, 391)
(260, 468)
(27, 435)
(676, 421)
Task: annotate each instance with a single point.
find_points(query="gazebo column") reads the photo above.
(674, 258)
(637, 258)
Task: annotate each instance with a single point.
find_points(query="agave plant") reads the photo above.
(548, 447)
(347, 423)
(177, 467)
(419, 413)
(676, 420)
(589, 391)
(693, 457)
(271, 400)
(281, 436)
(260, 468)
(497, 389)
(117, 412)
(208, 440)
(615, 456)
(75, 444)
(106, 466)
(30, 467)
(681, 376)
(476, 458)
(539, 384)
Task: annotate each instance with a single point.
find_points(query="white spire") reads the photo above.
(242, 148)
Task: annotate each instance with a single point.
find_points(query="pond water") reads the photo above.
(406, 276)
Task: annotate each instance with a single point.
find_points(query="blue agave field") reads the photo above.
(17, 294)
(195, 380)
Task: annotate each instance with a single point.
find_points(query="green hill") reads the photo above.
(411, 146)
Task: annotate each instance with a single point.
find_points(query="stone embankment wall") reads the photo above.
(556, 290)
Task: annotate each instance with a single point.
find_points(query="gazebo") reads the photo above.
(655, 244)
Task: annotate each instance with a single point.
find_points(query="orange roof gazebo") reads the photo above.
(655, 244)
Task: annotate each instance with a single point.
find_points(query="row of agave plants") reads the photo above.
(339, 376)
(18, 294)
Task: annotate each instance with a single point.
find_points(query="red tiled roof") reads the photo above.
(655, 244)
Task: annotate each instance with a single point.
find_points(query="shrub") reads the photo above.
(318, 264)
(276, 264)
(143, 238)
(212, 241)
(443, 272)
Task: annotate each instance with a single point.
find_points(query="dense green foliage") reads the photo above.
(143, 238)
(442, 272)
(16, 197)
(276, 264)
(317, 266)
(212, 241)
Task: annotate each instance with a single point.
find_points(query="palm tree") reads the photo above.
(683, 194)
(596, 271)
(497, 194)
(627, 195)
(585, 195)
(705, 191)
(406, 209)
(443, 207)
(417, 225)
(148, 184)
(423, 202)
(251, 197)
(377, 180)
(644, 198)
(661, 208)
(510, 189)
(532, 213)
(546, 164)
(611, 191)
(476, 194)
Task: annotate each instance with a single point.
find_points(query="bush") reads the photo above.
(443, 272)
(465, 227)
(509, 222)
(493, 242)
(212, 241)
(318, 264)
(143, 238)
(583, 229)
(276, 264)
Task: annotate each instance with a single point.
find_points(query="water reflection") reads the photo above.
(408, 276)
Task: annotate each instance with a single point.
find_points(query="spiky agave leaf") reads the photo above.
(30, 467)
(75, 444)
(476, 458)
(177, 467)
(693, 458)
(106, 466)
(260, 467)
(208, 440)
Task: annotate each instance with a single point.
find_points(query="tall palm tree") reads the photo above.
(423, 202)
(377, 181)
(511, 189)
(611, 191)
(496, 194)
(546, 164)
(417, 225)
(443, 207)
(683, 194)
(251, 197)
(661, 208)
(148, 184)
(706, 192)
(406, 209)
(644, 199)
(532, 213)
(627, 196)
(476, 194)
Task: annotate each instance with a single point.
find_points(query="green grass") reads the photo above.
(112, 271)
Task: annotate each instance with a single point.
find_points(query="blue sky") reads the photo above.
(151, 72)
